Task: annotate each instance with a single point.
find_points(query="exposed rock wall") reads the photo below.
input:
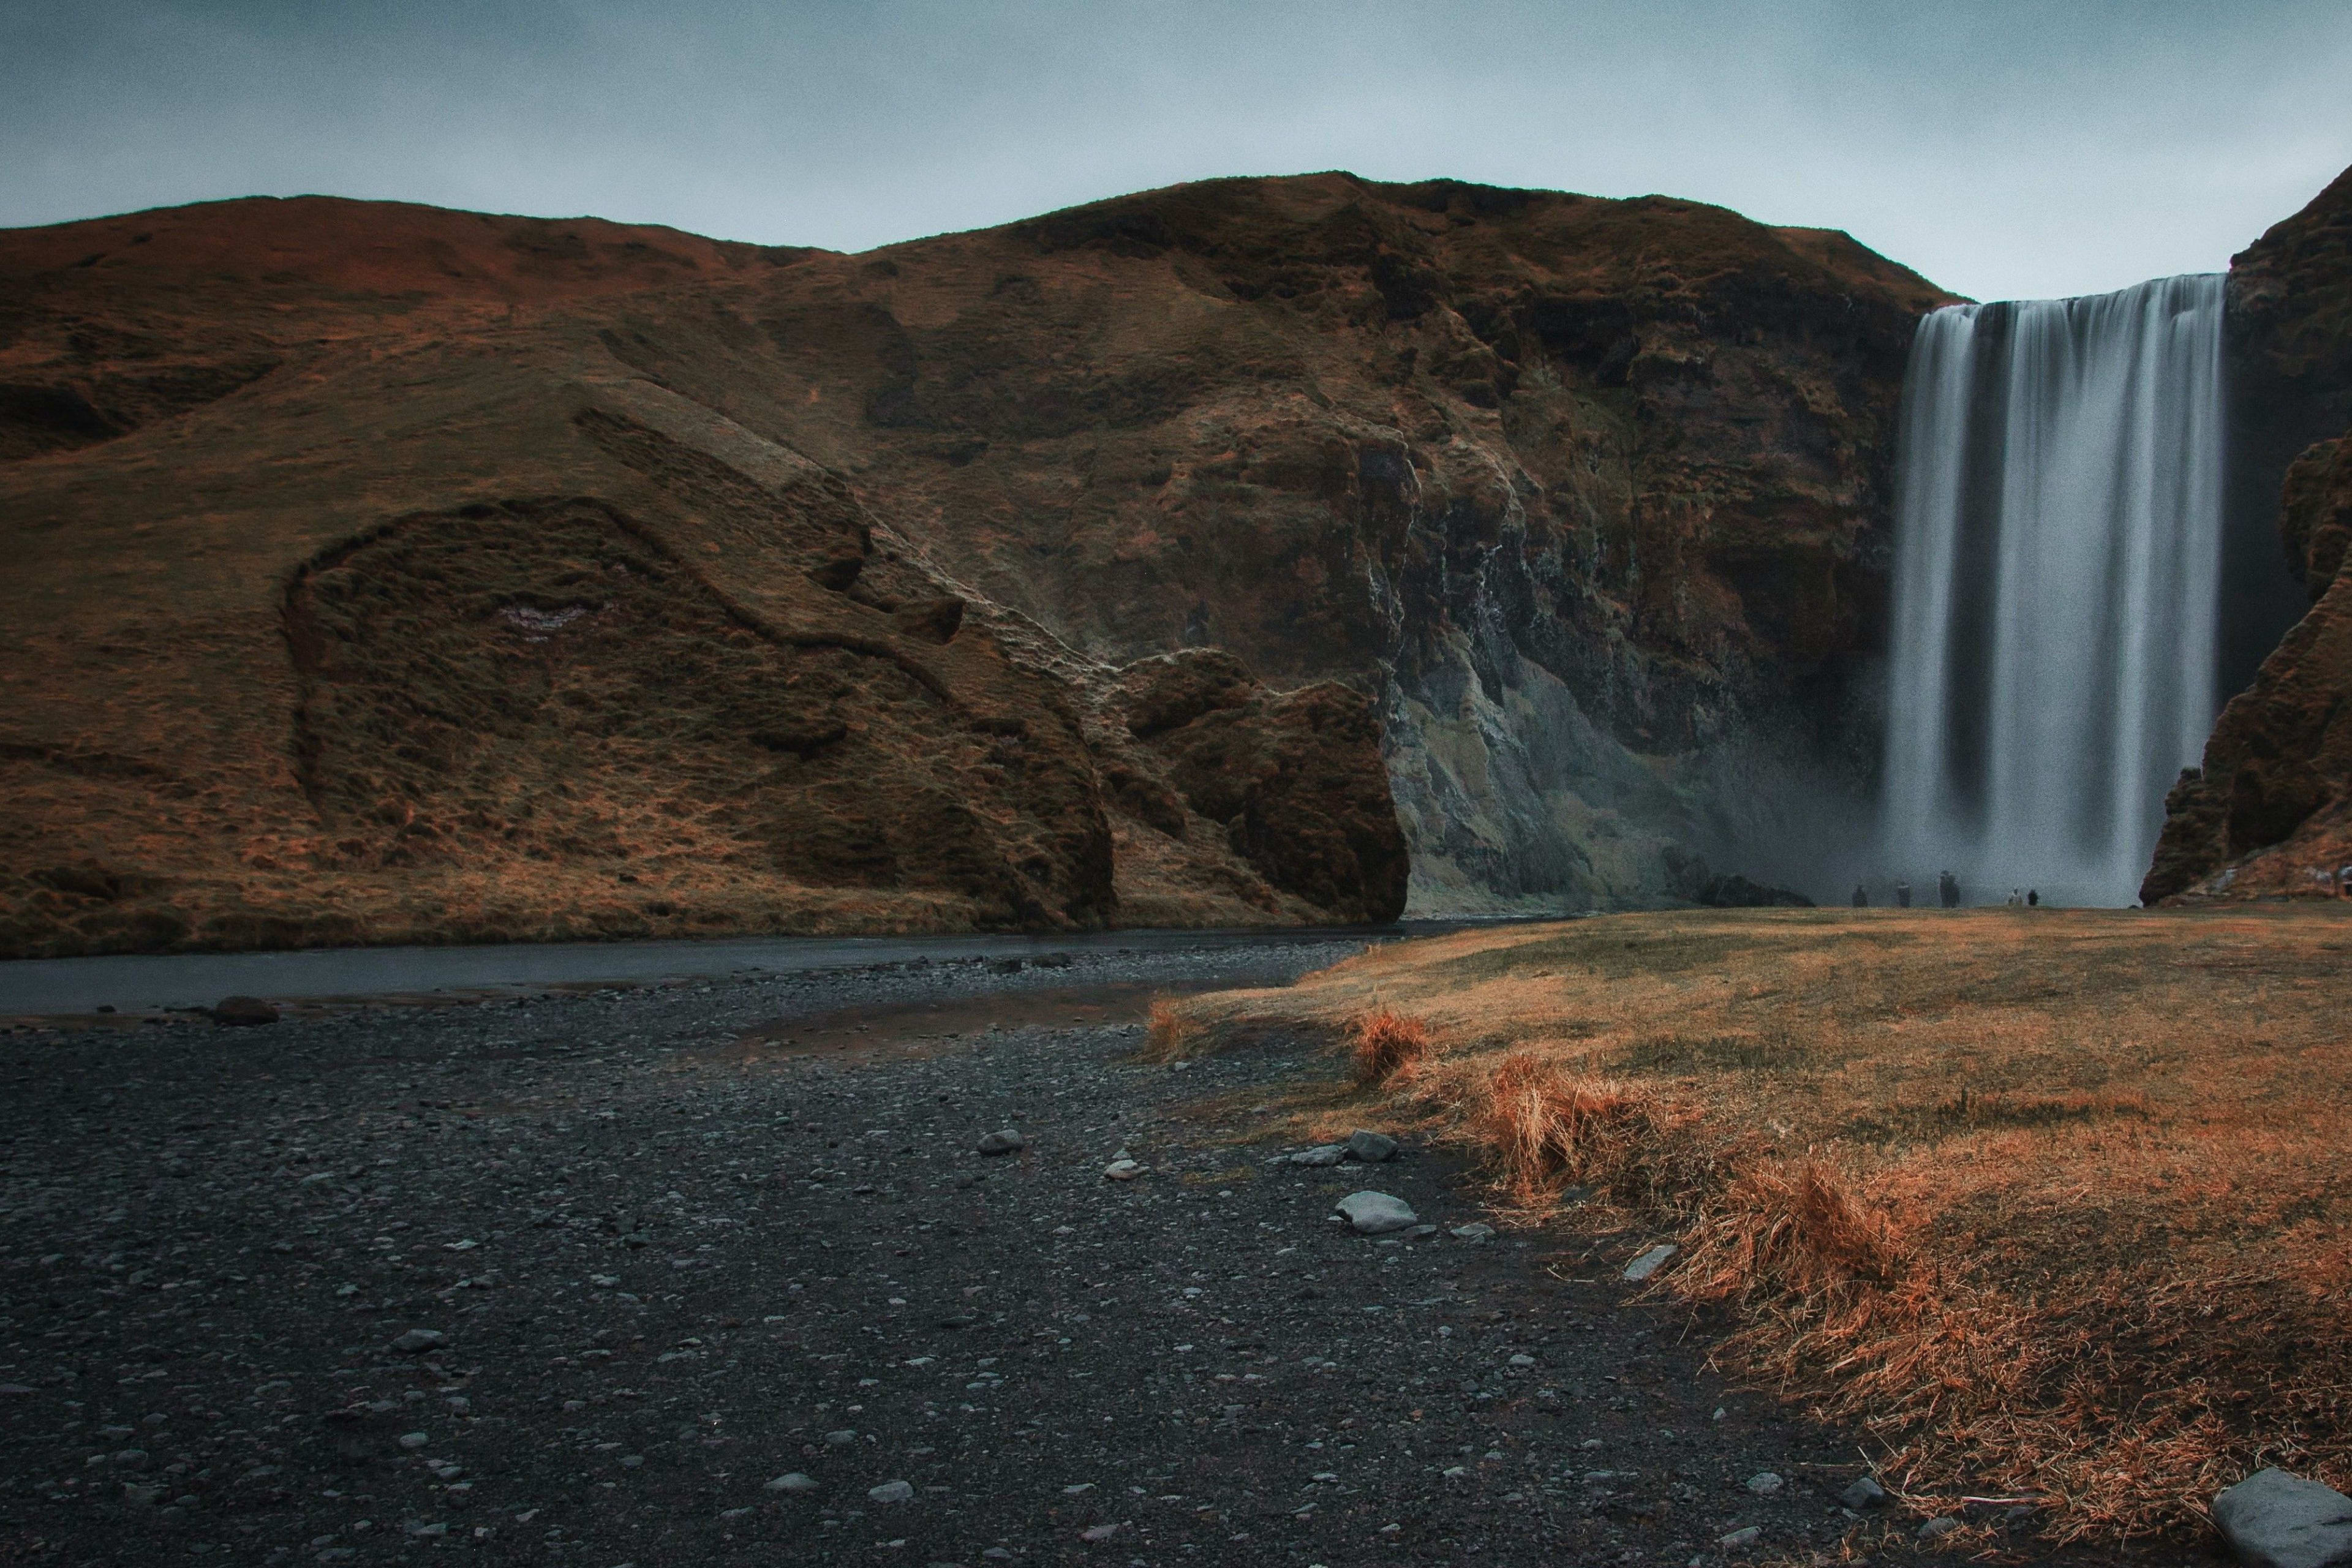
(1589, 496)
(2288, 331)
(2267, 814)
(2270, 813)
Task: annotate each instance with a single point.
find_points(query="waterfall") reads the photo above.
(2058, 527)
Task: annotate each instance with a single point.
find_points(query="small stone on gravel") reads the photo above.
(1476, 1230)
(1123, 1170)
(1764, 1483)
(417, 1341)
(891, 1492)
(793, 1482)
(1866, 1492)
(1321, 1155)
(1376, 1214)
(1935, 1529)
(1006, 1141)
(1738, 1539)
(1371, 1147)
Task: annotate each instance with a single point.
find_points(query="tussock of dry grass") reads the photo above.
(1384, 1042)
(2057, 1203)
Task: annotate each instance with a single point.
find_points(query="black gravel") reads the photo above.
(668, 1248)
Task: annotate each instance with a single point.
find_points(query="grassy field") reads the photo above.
(2055, 1202)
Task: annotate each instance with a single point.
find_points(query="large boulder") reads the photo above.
(2273, 1520)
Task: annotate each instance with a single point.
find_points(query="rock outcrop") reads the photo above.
(2288, 331)
(383, 573)
(1590, 496)
(2270, 813)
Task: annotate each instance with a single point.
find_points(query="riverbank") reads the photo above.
(586, 1278)
(2053, 1202)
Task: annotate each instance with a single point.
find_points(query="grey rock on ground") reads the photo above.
(1321, 1155)
(1006, 1141)
(1371, 1147)
(1865, 1494)
(1376, 1214)
(1649, 1263)
(242, 1012)
(2276, 1519)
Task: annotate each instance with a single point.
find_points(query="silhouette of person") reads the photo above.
(1901, 895)
(1947, 890)
(1861, 896)
(2033, 898)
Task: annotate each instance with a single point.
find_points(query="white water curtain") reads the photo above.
(2057, 560)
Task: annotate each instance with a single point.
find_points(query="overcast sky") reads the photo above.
(2005, 150)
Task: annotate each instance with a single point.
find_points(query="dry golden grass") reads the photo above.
(2058, 1203)
(1386, 1042)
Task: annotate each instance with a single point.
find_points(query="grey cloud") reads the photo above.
(1999, 148)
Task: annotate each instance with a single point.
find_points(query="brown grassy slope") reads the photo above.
(1308, 419)
(2057, 1202)
(299, 662)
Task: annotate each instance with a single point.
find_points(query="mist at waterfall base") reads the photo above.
(2058, 537)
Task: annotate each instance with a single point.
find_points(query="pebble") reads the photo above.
(414, 1439)
(1371, 1147)
(415, 1341)
(1123, 1170)
(1476, 1230)
(1376, 1214)
(1321, 1155)
(891, 1492)
(1006, 1141)
(1649, 1262)
(1764, 1483)
(1865, 1494)
(793, 1483)
(1739, 1540)
(1937, 1528)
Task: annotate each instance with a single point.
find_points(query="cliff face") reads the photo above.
(2270, 813)
(1588, 494)
(2289, 346)
(2266, 814)
(386, 574)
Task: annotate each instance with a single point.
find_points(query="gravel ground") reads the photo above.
(716, 1274)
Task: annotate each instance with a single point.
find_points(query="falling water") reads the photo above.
(2057, 558)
